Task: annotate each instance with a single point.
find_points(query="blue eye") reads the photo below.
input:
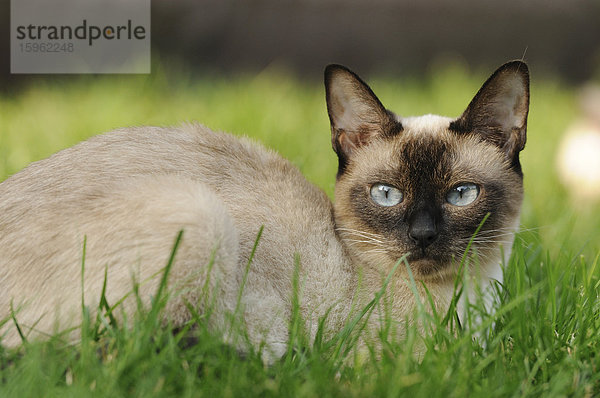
(385, 195)
(463, 195)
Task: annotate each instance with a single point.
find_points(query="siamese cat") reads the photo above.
(407, 187)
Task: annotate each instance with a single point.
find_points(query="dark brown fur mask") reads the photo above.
(422, 185)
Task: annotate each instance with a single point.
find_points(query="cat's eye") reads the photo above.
(385, 195)
(463, 194)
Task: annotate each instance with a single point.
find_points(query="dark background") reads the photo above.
(379, 36)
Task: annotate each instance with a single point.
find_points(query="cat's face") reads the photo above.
(422, 186)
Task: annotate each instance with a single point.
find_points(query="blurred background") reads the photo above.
(377, 36)
(255, 67)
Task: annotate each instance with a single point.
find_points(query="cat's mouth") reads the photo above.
(423, 263)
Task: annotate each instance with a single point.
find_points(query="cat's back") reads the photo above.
(190, 150)
(81, 184)
(90, 168)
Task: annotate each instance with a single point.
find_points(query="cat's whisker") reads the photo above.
(495, 233)
(342, 229)
(485, 240)
(361, 234)
(510, 230)
(484, 257)
(372, 240)
(479, 237)
(354, 242)
(530, 229)
(376, 251)
(374, 243)
(362, 239)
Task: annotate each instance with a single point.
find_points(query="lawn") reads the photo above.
(544, 338)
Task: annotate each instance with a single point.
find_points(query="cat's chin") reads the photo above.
(422, 266)
(425, 267)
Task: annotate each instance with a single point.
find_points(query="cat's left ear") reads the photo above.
(499, 110)
(356, 114)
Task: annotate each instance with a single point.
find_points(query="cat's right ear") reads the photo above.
(356, 114)
(498, 113)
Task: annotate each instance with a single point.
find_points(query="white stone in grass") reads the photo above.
(579, 160)
(579, 152)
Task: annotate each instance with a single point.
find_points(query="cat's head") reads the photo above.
(422, 185)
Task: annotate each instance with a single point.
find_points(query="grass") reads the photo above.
(543, 340)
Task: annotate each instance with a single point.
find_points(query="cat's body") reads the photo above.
(131, 200)
(129, 192)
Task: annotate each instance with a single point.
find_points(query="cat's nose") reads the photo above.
(422, 228)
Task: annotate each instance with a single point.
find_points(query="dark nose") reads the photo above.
(422, 228)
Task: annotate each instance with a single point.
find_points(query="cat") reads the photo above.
(406, 187)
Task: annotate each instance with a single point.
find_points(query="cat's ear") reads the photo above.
(356, 114)
(499, 110)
